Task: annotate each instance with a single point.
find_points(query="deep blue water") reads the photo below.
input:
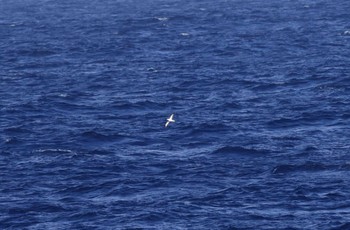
(261, 96)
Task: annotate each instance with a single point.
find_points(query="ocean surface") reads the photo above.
(260, 91)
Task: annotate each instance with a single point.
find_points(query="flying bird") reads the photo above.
(170, 119)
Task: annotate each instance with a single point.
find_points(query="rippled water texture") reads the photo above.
(260, 91)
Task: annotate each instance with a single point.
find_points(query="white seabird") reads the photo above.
(170, 119)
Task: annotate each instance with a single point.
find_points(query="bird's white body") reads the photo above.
(170, 119)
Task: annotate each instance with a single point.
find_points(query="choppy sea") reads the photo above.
(260, 91)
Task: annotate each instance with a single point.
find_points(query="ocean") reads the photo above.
(260, 92)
